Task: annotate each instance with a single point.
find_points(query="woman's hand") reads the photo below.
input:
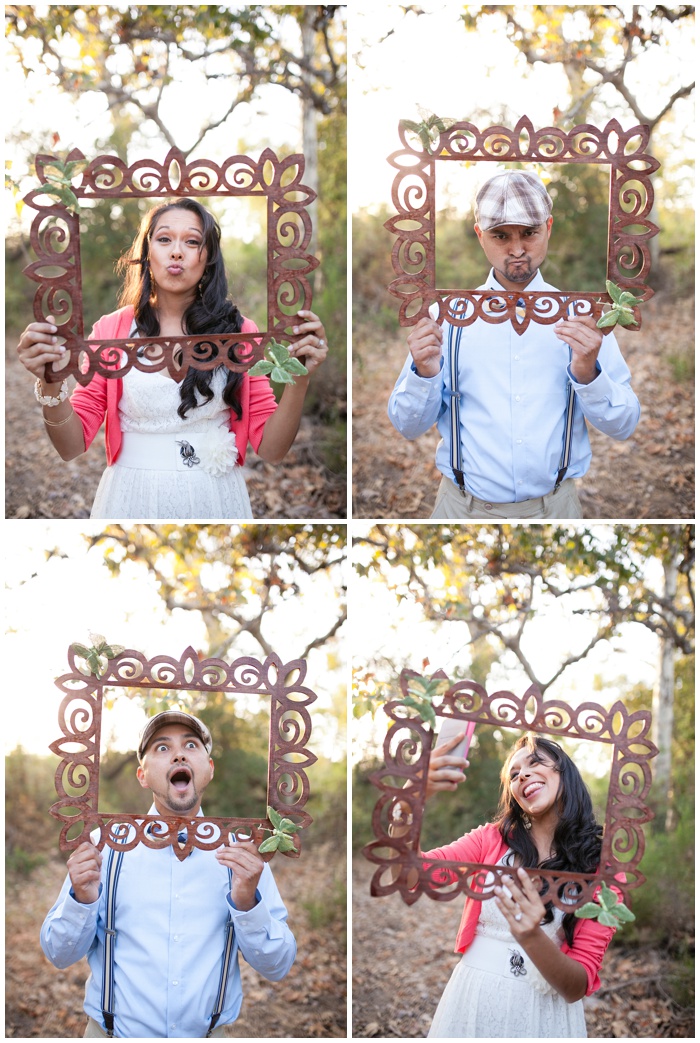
(312, 348)
(445, 771)
(520, 903)
(38, 346)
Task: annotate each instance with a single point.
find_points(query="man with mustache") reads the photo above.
(168, 963)
(512, 408)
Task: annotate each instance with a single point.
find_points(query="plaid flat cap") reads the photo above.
(514, 197)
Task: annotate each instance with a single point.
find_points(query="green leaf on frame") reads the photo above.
(614, 290)
(262, 368)
(270, 844)
(80, 650)
(274, 817)
(623, 913)
(277, 352)
(625, 319)
(293, 365)
(287, 826)
(607, 897)
(285, 844)
(608, 919)
(608, 319)
(589, 911)
(281, 376)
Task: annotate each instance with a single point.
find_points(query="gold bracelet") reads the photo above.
(60, 423)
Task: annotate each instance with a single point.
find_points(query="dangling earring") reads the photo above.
(527, 822)
(200, 288)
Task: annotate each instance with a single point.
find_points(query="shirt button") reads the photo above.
(488, 506)
(519, 441)
(517, 398)
(176, 983)
(517, 358)
(520, 483)
(257, 952)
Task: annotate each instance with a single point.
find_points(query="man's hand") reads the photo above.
(445, 771)
(84, 871)
(246, 866)
(425, 345)
(584, 338)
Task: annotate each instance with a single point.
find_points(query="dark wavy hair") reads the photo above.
(577, 837)
(212, 310)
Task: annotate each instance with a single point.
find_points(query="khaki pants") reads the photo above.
(562, 504)
(93, 1029)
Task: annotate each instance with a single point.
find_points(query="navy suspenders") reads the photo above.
(453, 342)
(114, 863)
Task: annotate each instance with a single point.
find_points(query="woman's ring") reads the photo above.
(518, 917)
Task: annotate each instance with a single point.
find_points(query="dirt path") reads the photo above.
(44, 1002)
(649, 476)
(38, 484)
(403, 958)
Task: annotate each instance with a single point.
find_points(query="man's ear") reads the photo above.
(211, 768)
(141, 777)
(550, 222)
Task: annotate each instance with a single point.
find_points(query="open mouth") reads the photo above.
(180, 779)
(531, 789)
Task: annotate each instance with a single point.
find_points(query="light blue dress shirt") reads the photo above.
(513, 405)
(170, 920)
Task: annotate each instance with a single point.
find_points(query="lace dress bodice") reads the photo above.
(150, 401)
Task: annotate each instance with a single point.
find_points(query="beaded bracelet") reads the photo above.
(49, 400)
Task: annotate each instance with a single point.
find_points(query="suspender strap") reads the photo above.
(453, 342)
(565, 459)
(114, 864)
(568, 432)
(225, 965)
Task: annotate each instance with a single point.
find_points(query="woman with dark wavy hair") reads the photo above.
(525, 966)
(173, 450)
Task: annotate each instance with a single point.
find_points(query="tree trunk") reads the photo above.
(310, 135)
(663, 696)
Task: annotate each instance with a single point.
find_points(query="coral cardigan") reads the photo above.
(101, 397)
(486, 845)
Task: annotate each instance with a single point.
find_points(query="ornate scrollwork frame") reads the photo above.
(398, 814)
(55, 238)
(629, 227)
(80, 721)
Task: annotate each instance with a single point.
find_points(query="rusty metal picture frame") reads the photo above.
(80, 721)
(414, 195)
(398, 813)
(55, 239)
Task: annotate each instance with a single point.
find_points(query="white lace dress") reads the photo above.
(201, 479)
(510, 998)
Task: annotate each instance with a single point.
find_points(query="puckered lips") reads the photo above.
(180, 779)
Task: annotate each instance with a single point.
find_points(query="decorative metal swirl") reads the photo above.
(398, 813)
(413, 194)
(55, 239)
(80, 721)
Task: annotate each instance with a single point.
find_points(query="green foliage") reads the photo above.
(622, 307)
(281, 835)
(97, 656)
(428, 130)
(279, 365)
(608, 910)
(59, 174)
